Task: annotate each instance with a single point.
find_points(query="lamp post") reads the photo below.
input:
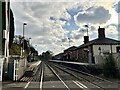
(29, 45)
(29, 40)
(69, 41)
(87, 29)
(24, 24)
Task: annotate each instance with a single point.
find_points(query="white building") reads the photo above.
(91, 50)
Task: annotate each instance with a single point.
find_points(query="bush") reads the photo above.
(110, 68)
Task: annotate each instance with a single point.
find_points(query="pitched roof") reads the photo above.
(71, 48)
(103, 41)
(60, 54)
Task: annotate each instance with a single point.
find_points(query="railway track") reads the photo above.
(45, 78)
(97, 82)
(53, 76)
(35, 82)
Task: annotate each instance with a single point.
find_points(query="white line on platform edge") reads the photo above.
(41, 80)
(80, 84)
(27, 85)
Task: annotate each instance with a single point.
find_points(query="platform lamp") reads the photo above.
(24, 24)
(69, 41)
(87, 29)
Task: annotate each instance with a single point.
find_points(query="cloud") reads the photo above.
(95, 15)
(52, 18)
(45, 22)
(64, 39)
(112, 31)
(41, 25)
(63, 19)
(74, 11)
(77, 34)
(117, 7)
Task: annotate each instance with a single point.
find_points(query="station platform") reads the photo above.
(32, 68)
(84, 67)
(32, 65)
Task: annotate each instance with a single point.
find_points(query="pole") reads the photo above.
(23, 37)
(29, 41)
(8, 28)
(6, 50)
(23, 41)
(87, 31)
(69, 41)
(6, 33)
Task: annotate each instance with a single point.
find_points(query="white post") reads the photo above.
(1, 69)
(14, 75)
(6, 36)
(6, 51)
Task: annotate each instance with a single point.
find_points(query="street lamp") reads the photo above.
(29, 40)
(24, 24)
(87, 29)
(69, 41)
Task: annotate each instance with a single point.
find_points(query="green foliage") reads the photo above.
(46, 55)
(110, 68)
(15, 49)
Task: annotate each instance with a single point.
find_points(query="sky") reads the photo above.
(50, 23)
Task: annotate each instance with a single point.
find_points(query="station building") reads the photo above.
(90, 50)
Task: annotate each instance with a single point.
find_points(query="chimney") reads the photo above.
(101, 33)
(86, 39)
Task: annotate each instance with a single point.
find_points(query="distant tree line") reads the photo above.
(46, 55)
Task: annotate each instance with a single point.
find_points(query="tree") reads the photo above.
(18, 42)
(15, 49)
(46, 55)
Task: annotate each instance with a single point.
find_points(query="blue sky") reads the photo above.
(50, 24)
